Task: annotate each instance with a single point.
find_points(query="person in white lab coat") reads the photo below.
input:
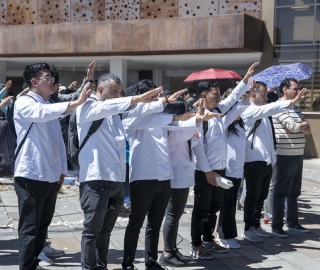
(41, 161)
(102, 163)
(211, 160)
(260, 155)
(150, 174)
(182, 161)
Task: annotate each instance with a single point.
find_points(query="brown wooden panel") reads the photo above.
(191, 8)
(54, 11)
(123, 9)
(201, 26)
(56, 38)
(175, 34)
(87, 10)
(250, 7)
(26, 39)
(3, 12)
(221, 36)
(22, 12)
(92, 37)
(150, 9)
(253, 27)
(131, 35)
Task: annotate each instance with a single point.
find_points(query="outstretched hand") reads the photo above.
(84, 94)
(172, 98)
(8, 84)
(6, 102)
(150, 96)
(184, 117)
(91, 69)
(300, 97)
(249, 72)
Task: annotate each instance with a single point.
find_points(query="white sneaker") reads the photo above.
(44, 260)
(229, 243)
(252, 236)
(52, 252)
(263, 233)
(223, 242)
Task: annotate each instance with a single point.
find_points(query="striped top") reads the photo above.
(290, 141)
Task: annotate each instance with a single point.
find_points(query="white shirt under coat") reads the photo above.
(182, 165)
(211, 151)
(147, 137)
(263, 147)
(103, 157)
(43, 154)
(236, 144)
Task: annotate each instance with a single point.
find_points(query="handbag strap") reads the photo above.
(25, 136)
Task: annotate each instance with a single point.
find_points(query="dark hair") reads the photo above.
(179, 107)
(143, 86)
(287, 83)
(272, 97)
(34, 70)
(128, 92)
(107, 77)
(259, 84)
(55, 74)
(205, 85)
(192, 91)
(232, 127)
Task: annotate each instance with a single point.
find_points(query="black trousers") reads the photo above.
(227, 217)
(175, 209)
(101, 202)
(148, 197)
(258, 176)
(36, 203)
(207, 202)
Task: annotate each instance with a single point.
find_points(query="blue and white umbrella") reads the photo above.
(274, 75)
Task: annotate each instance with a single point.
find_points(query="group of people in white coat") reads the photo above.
(171, 150)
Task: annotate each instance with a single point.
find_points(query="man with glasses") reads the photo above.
(290, 129)
(41, 162)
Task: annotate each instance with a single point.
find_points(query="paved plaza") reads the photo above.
(299, 251)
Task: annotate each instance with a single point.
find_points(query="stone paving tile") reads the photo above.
(299, 251)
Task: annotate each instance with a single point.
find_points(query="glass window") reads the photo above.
(294, 25)
(317, 24)
(294, 2)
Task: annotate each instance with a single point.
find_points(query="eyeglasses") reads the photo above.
(47, 78)
(295, 89)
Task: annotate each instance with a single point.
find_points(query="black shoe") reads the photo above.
(181, 257)
(299, 228)
(156, 266)
(130, 267)
(280, 233)
(170, 260)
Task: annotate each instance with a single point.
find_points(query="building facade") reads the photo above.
(164, 40)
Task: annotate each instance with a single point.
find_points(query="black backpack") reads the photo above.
(8, 143)
(73, 148)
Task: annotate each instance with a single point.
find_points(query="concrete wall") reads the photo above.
(312, 149)
(15, 12)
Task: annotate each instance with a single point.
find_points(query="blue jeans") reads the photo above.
(287, 187)
(101, 202)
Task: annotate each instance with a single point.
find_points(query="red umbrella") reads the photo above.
(212, 74)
